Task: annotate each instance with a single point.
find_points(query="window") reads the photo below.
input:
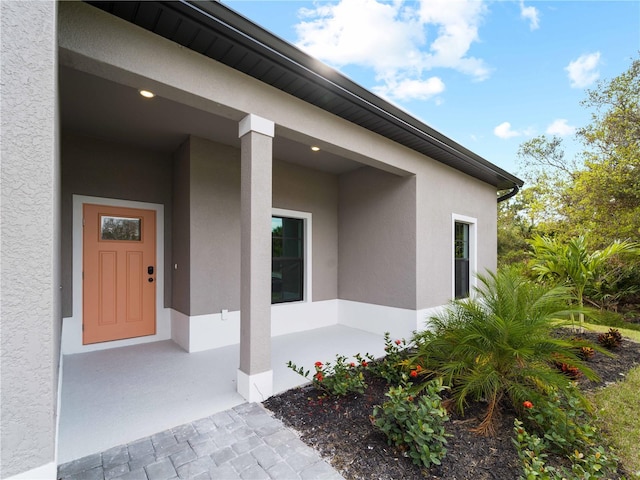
(461, 259)
(464, 255)
(287, 259)
(120, 228)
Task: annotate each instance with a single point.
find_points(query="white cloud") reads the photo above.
(504, 131)
(530, 13)
(411, 89)
(561, 128)
(584, 71)
(400, 41)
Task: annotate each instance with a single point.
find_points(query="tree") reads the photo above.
(605, 195)
(597, 194)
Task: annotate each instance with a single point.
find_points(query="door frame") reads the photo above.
(72, 327)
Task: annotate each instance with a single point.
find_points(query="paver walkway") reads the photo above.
(245, 442)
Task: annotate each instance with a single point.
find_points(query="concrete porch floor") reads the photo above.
(111, 397)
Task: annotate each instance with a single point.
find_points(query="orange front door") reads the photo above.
(119, 273)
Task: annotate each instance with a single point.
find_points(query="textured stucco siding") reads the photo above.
(305, 190)
(98, 168)
(207, 243)
(180, 255)
(443, 192)
(30, 278)
(377, 239)
(214, 227)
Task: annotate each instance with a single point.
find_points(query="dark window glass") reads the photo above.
(461, 260)
(287, 259)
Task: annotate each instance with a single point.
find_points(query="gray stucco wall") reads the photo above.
(104, 169)
(180, 254)
(442, 192)
(377, 224)
(215, 227)
(207, 228)
(30, 278)
(305, 190)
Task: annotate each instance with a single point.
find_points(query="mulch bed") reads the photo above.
(340, 429)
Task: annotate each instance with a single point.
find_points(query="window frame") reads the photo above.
(473, 245)
(306, 218)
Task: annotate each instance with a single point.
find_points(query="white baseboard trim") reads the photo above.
(378, 319)
(71, 341)
(299, 317)
(257, 387)
(48, 471)
(204, 332)
(425, 314)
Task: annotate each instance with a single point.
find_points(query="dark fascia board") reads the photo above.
(221, 19)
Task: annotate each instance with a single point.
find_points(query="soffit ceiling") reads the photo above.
(99, 108)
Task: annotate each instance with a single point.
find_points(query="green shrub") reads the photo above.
(563, 427)
(339, 378)
(415, 424)
(500, 345)
(391, 366)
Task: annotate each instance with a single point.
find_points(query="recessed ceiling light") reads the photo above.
(147, 93)
(315, 149)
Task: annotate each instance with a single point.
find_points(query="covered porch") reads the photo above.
(115, 396)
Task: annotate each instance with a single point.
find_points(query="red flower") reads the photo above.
(418, 368)
(364, 364)
(409, 398)
(318, 364)
(527, 404)
(414, 373)
(398, 342)
(319, 376)
(352, 364)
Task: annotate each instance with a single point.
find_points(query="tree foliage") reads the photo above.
(572, 263)
(597, 193)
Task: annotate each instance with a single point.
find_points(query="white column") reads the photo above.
(255, 377)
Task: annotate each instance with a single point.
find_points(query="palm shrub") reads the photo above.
(499, 346)
(572, 264)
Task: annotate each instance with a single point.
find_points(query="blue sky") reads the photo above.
(488, 74)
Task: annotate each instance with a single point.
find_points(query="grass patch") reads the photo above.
(618, 412)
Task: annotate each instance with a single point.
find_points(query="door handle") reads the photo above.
(150, 269)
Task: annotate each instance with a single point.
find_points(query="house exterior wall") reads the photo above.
(207, 225)
(175, 73)
(442, 192)
(377, 261)
(305, 190)
(104, 169)
(180, 265)
(215, 227)
(30, 278)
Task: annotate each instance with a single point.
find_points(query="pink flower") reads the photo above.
(398, 342)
